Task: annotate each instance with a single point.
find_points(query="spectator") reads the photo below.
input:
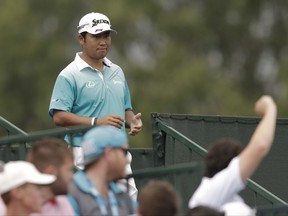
(93, 191)
(92, 90)
(158, 198)
(2, 205)
(228, 167)
(52, 156)
(20, 187)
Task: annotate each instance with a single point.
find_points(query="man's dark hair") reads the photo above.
(220, 154)
(83, 34)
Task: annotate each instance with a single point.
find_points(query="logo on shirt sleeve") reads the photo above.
(117, 82)
(55, 100)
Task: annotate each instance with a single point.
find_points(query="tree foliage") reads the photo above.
(200, 57)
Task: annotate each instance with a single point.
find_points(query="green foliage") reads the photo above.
(200, 57)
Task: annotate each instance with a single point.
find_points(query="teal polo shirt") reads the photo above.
(81, 90)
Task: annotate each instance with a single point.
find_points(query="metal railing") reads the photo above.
(277, 210)
(158, 172)
(10, 128)
(16, 144)
(57, 132)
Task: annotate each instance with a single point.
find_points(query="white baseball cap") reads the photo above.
(94, 23)
(17, 173)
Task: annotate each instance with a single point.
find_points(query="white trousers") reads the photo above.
(133, 191)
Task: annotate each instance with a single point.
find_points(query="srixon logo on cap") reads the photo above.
(98, 21)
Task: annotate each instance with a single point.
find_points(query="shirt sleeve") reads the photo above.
(127, 98)
(62, 96)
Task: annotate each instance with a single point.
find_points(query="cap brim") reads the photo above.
(99, 32)
(42, 179)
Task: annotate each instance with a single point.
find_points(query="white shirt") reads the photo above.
(59, 206)
(238, 208)
(222, 188)
(2, 207)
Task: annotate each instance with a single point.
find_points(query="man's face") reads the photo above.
(96, 46)
(118, 162)
(64, 176)
(30, 195)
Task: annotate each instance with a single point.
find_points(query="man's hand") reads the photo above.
(263, 104)
(113, 120)
(136, 124)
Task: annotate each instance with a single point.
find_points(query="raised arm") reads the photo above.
(262, 138)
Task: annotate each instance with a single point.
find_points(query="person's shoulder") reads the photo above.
(126, 201)
(235, 162)
(71, 70)
(116, 67)
(72, 187)
(111, 65)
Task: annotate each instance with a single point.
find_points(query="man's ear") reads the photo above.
(51, 169)
(17, 192)
(107, 153)
(81, 39)
(107, 150)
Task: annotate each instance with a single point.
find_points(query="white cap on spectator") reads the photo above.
(17, 173)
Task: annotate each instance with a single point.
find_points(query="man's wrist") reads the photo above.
(127, 125)
(93, 121)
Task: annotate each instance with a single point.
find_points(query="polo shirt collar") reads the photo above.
(81, 64)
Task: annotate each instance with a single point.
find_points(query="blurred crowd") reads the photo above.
(48, 183)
